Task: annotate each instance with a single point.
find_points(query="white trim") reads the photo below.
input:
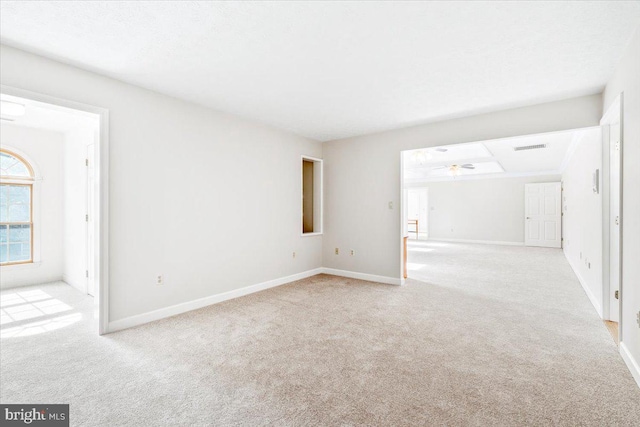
(102, 198)
(101, 254)
(363, 276)
(587, 291)
(22, 266)
(606, 232)
(632, 363)
(129, 322)
(404, 226)
(162, 313)
(313, 159)
(614, 114)
(483, 242)
(73, 284)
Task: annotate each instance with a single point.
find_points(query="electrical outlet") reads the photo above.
(337, 251)
(159, 280)
(294, 254)
(638, 319)
(390, 205)
(353, 252)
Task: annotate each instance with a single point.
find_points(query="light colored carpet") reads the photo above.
(499, 336)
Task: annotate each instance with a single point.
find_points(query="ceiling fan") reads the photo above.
(454, 170)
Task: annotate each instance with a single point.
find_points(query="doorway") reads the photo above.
(75, 189)
(507, 192)
(612, 216)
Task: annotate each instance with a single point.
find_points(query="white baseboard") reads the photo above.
(484, 242)
(73, 283)
(25, 283)
(129, 322)
(594, 301)
(631, 362)
(363, 276)
(140, 319)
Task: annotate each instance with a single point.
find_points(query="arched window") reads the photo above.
(16, 209)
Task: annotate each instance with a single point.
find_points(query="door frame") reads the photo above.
(91, 229)
(615, 111)
(101, 247)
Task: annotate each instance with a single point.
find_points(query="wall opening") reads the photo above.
(476, 194)
(68, 204)
(311, 196)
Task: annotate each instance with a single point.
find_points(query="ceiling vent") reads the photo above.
(530, 147)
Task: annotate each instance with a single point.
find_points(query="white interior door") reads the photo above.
(543, 215)
(614, 220)
(90, 220)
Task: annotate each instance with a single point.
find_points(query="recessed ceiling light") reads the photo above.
(11, 109)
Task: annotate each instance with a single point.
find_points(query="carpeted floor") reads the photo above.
(495, 336)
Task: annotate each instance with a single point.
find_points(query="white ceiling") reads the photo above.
(548, 159)
(497, 158)
(329, 70)
(49, 117)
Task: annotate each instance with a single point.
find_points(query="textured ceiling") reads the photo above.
(328, 70)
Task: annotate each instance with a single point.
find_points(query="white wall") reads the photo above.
(582, 219)
(44, 150)
(362, 175)
(75, 207)
(627, 80)
(209, 200)
(490, 210)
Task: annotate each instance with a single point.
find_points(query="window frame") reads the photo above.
(20, 181)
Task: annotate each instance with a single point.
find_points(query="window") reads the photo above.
(16, 210)
(311, 196)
